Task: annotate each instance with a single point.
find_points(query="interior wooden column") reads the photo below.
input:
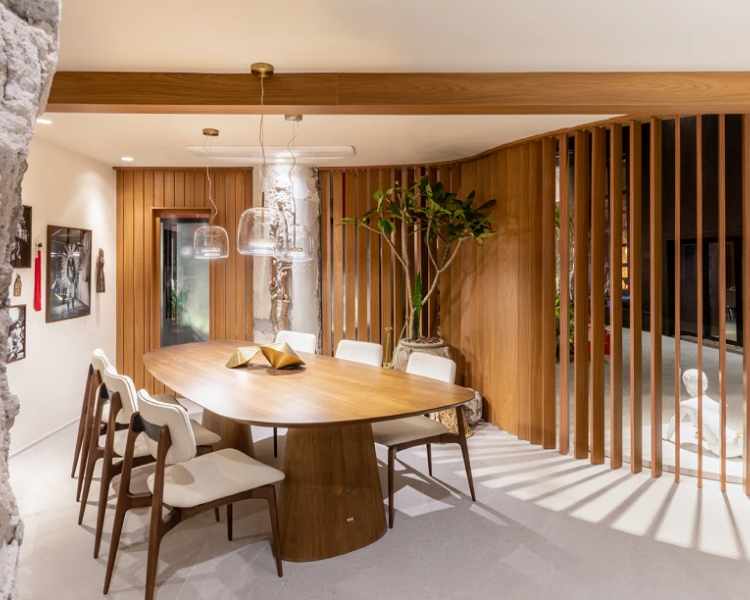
(746, 289)
(635, 258)
(598, 191)
(582, 193)
(655, 288)
(615, 295)
(677, 290)
(564, 443)
(534, 270)
(549, 333)
(723, 303)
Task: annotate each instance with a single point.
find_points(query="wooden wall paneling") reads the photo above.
(635, 258)
(534, 307)
(598, 191)
(128, 365)
(351, 179)
(148, 267)
(582, 193)
(655, 289)
(158, 202)
(746, 290)
(326, 245)
(547, 300)
(363, 252)
(217, 326)
(399, 276)
(120, 272)
(699, 282)
(564, 253)
(468, 340)
(519, 181)
(375, 264)
(490, 291)
(338, 257)
(677, 289)
(722, 303)
(615, 296)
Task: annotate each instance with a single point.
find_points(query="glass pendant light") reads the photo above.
(210, 242)
(297, 247)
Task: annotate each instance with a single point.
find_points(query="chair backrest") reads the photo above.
(366, 353)
(429, 365)
(124, 386)
(298, 341)
(176, 419)
(100, 362)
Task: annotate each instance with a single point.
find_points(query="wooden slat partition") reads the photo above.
(635, 260)
(598, 191)
(581, 220)
(615, 295)
(549, 333)
(564, 253)
(677, 290)
(655, 289)
(722, 304)
(699, 282)
(140, 191)
(746, 291)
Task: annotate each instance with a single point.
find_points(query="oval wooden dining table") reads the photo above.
(331, 501)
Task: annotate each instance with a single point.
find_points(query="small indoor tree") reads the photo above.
(442, 220)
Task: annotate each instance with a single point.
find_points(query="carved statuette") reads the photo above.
(100, 285)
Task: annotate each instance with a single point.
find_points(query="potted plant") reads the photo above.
(444, 222)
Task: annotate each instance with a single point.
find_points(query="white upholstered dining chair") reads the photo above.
(122, 400)
(186, 483)
(367, 353)
(400, 434)
(298, 341)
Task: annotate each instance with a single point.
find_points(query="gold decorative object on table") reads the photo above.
(281, 355)
(241, 356)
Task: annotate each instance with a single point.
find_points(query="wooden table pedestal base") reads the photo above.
(233, 434)
(331, 499)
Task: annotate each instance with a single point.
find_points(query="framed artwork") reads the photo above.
(68, 273)
(16, 333)
(20, 246)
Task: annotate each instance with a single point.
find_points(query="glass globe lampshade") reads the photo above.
(256, 232)
(210, 242)
(298, 246)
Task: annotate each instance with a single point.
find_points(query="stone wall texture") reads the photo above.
(28, 58)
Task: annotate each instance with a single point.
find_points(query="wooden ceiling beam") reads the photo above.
(403, 93)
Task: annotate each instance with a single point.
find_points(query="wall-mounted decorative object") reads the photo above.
(68, 273)
(20, 246)
(38, 279)
(17, 286)
(100, 285)
(16, 333)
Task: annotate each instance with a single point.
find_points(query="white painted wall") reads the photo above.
(63, 188)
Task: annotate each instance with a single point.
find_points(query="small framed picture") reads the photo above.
(16, 333)
(68, 273)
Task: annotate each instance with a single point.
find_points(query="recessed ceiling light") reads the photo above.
(127, 159)
(44, 121)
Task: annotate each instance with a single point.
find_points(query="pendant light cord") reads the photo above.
(214, 210)
(262, 144)
(290, 149)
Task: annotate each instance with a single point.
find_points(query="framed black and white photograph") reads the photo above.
(16, 333)
(20, 247)
(68, 273)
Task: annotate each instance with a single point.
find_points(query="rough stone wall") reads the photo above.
(28, 58)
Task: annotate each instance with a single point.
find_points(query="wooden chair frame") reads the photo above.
(82, 421)
(160, 526)
(443, 438)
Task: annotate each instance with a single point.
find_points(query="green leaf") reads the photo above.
(386, 226)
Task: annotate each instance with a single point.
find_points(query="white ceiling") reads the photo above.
(405, 35)
(162, 140)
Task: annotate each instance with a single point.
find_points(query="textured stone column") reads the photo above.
(28, 57)
(304, 283)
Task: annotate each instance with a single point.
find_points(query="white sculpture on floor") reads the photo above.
(711, 419)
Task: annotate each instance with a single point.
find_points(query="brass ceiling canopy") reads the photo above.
(210, 132)
(262, 69)
(293, 118)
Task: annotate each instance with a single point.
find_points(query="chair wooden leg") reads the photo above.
(104, 483)
(460, 416)
(82, 421)
(391, 468)
(229, 522)
(154, 542)
(217, 515)
(275, 442)
(114, 543)
(275, 531)
(94, 455)
(88, 440)
(429, 458)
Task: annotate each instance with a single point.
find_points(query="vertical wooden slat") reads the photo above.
(325, 249)
(375, 263)
(548, 293)
(148, 267)
(350, 253)
(119, 258)
(129, 270)
(598, 191)
(746, 291)
(338, 257)
(362, 260)
(655, 288)
(635, 265)
(722, 303)
(582, 192)
(386, 273)
(615, 295)
(534, 307)
(699, 282)
(564, 240)
(677, 291)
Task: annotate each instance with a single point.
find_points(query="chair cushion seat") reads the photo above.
(203, 437)
(213, 476)
(409, 429)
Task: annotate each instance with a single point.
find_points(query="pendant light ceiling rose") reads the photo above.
(210, 132)
(263, 70)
